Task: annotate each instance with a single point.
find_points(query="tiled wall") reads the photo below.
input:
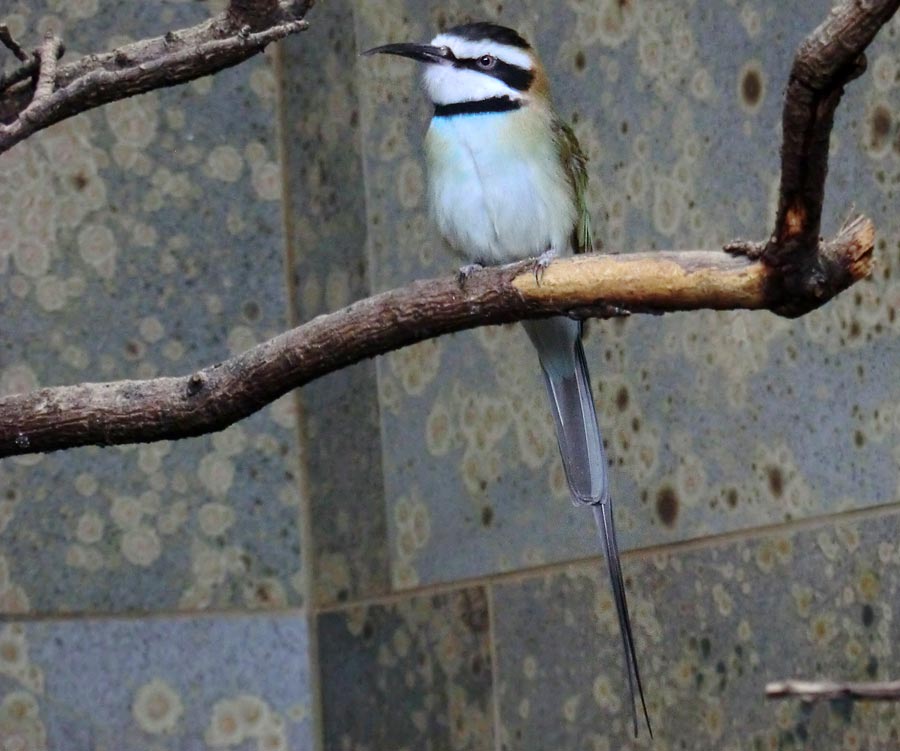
(718, 424)
(455, 596)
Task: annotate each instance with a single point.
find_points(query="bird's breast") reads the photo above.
(497, 189)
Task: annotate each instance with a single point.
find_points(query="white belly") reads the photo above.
(498, 192)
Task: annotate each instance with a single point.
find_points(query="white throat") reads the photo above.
(448, 85)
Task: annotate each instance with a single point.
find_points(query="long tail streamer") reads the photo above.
(603, 515)
(558, 342)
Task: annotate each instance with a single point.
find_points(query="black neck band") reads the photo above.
(495, 104)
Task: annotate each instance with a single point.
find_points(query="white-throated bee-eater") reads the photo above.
(507, 181)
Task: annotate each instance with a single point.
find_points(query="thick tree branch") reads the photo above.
(244, 30)
(215, 397)
(831, 57)
(829, 690)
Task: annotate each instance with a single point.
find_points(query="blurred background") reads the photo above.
(388, 559)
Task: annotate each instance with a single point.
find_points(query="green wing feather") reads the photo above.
(575, 162)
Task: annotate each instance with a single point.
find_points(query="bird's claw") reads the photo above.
(465, 272)
(541, 263)
(752, 250)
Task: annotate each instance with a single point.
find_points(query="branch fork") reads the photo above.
(29, 103)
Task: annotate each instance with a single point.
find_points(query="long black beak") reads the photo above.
(424, 53)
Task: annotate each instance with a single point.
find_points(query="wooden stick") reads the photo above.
(810, 691)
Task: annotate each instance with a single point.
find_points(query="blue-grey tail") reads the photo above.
(558, 342)
(603, 514)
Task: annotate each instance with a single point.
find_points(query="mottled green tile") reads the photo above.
(413, 673)
(327, 221)
(712, 627)
(177, 684)
(714, 421)
(145, 239)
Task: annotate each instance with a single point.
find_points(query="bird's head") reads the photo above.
(474, 62)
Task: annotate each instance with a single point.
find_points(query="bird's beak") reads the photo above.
(424, 53)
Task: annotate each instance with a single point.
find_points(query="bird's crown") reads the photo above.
(485, 32)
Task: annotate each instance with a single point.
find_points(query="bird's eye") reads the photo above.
(486, 62)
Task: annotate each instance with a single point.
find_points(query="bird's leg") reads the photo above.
(542, 262)
(466, 271)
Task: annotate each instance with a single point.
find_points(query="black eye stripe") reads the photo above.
(513, 76)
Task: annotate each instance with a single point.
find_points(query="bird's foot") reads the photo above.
(752, 250)
(542, 262)
(462, 276)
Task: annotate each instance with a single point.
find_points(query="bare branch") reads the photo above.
(244, 30)
(6, 38)
(47, 56)
(213, 398)
(829, 690)
(23, 72)
(828, 59)
(31, 63)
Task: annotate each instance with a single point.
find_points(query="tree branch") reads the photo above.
(47, 59)
(829, 690)
(7, 40)
(213, 398)
(825, 63)
(246, 28)
(19, 74)
(793, 273)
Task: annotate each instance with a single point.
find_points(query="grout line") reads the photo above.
(307, 559)
(151, 615)
(287, 218)
(764, 530)
(686, 546)
(368, 256)
(495, 666)
(679, 546)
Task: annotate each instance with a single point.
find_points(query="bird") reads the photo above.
(507, 181)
